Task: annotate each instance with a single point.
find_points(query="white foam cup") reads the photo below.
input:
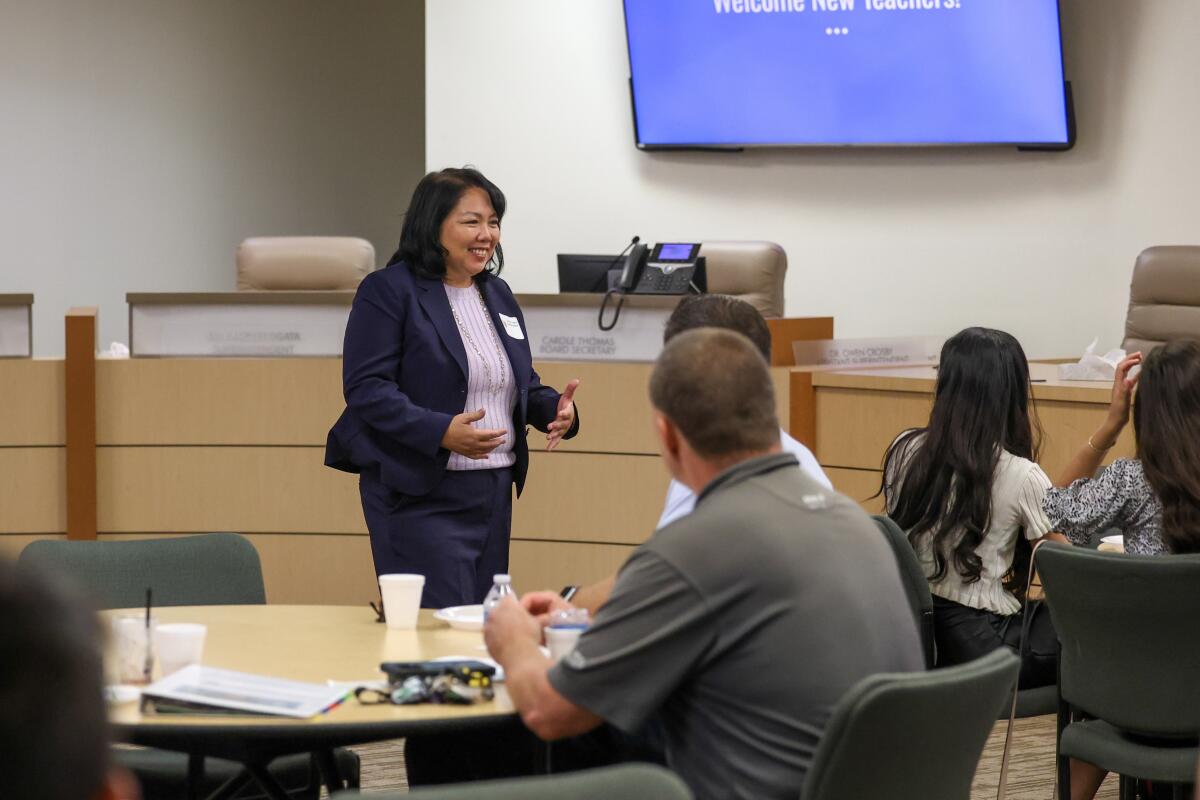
(179, 645)
(401, 599)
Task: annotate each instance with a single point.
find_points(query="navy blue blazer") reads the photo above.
(404, 376)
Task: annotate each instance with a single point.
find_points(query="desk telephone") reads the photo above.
(668, 268)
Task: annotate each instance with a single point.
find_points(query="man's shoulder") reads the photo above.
(785, 500)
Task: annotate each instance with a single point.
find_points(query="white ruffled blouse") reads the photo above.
(1017, 493)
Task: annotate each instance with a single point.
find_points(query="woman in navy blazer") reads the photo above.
(433, 330)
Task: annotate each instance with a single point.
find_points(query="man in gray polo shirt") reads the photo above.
(739, 626)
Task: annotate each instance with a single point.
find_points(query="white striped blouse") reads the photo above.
(490, 384)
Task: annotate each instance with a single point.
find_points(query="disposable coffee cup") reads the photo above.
(401, 599)
(134, 649)
(560, 641)
(179, 645)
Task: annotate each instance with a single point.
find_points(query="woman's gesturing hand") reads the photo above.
(565, 417)
(466, 440)
(1122, 392)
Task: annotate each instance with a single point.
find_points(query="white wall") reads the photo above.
(141, 140)
(890, 242)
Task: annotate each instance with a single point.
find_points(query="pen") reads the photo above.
(148, 665)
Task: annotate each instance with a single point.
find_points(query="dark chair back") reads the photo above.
(209, 569)
(626, 781)
(916, 586)
(1128, 626)
(912, 736)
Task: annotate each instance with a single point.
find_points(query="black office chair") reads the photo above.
(625, 781)
(209, 569)
(912, 736)
(1130, 661)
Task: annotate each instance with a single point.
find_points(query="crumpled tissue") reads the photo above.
(115, 350)
(1092, 367)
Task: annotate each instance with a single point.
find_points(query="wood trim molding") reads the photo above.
(81, 422)
(785, 330)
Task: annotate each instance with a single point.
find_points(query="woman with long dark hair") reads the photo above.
(1154, 499)
(968, 491)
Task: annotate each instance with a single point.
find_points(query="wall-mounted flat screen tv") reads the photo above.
(739, 73)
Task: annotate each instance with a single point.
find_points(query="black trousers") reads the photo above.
(964, 634)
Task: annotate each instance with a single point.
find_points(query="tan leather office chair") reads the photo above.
(750, 271)
(1164, 298)
(290, 263)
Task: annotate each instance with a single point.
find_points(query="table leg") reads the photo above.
(267, 782)
(232, 786)
(195, 776)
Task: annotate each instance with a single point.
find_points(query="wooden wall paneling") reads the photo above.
(614, 408)
(552, 565)
(855, 426)
(591, 497)
(1066, 427)
(80, 399)
(317, 570)
(11, 544)
(240, 489)
(33, 490)
(242, 401)
(614, 405)
(802, 415)
(33, 399)
(859, 485)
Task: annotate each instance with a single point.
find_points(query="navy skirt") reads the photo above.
(456, 536)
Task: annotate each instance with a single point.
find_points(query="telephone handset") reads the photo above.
(668, 268)
(635, 262)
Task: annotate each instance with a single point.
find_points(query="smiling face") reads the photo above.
(469, 235)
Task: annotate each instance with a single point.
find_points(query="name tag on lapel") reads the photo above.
(511, 326)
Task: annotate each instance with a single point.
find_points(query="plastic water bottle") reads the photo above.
(501, 588)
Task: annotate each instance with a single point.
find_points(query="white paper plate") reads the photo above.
(464, 618)
(1116, 538)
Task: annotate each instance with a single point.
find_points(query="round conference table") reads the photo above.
(314, 644)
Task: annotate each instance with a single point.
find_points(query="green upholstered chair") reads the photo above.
(912, 736)
(1130, 661)
(625, 781)
(208, 569)
(915, 584)
(205, 570)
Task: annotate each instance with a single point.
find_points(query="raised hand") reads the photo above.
(1122, 391)
(464, 438)
(565, 417)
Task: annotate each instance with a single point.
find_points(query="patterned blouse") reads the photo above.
(1118, 497)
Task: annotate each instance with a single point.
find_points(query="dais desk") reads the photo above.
(857, 413)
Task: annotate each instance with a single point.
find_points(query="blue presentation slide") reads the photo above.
(764, 72)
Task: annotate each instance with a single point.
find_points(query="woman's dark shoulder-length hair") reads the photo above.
(938, 479)
(1166, 422)
(432, 201)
